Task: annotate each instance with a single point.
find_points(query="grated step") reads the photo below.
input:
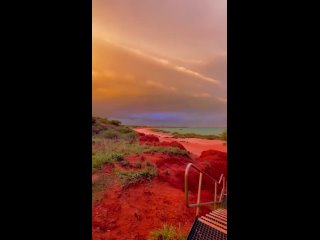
(203, 231)
(213, 226)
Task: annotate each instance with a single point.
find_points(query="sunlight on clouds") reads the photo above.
(201, 95)
(146, 64)
(160, 85)
(163, 62)
(116, 93)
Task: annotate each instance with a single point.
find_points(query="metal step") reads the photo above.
(213, 226)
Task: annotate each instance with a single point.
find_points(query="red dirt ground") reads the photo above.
(133, 212)
(194, 145)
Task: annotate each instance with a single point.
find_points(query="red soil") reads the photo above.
(148, 138)
(133, 212)
(213, 162)
(172, 144)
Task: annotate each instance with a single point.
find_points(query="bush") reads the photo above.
(116, 157)
(125, 130)
(167, 233)
(100, 158)
(223, 136)
(131, 136)
(168, 150)
(115, 122)
(131, 177)
(110, 134)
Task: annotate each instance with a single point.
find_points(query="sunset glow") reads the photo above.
(160, 62)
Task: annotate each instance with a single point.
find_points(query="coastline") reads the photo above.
(194, 145)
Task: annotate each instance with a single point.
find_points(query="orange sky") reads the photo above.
(160, 62)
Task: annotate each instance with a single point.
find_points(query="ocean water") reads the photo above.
(202, 131)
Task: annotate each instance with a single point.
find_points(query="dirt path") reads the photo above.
(193, 145)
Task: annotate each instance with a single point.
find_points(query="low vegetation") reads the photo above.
(194, 135)
(167, 232)
(112, 129)
(111, 152)
(112, 145)
(222, 136)
(130, 177)
(167, 150)
(100, 158)
(100, 185)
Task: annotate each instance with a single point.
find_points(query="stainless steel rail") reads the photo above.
(201, 173)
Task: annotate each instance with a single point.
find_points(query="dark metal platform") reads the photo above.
(213, 226)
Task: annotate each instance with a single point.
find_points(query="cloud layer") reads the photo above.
(144, 74)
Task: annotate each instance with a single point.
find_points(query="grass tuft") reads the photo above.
(130, 177)
(167, 232)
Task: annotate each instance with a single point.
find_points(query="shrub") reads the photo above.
(130, 136)
(115, 122)
(125, 130)
(223, 136)
(167, 233)
(116, 156)
(110, 134)
(168, 150)
(131, 177)
(100, 158)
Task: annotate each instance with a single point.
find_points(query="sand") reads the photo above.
(194, 145)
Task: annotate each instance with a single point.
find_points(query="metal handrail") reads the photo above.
(198, 204)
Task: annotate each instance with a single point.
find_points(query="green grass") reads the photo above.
(222, 136)
(130, 177)
(100, 158)
(111, 151)
(194, 135)
(167, 150)
(112, 129)
(167, 232)
(114, 141)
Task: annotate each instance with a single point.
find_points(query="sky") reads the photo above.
(160, 63)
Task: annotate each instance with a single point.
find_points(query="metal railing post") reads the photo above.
(216, 183)
(186, 186)
(199, 193)
(215, 194)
